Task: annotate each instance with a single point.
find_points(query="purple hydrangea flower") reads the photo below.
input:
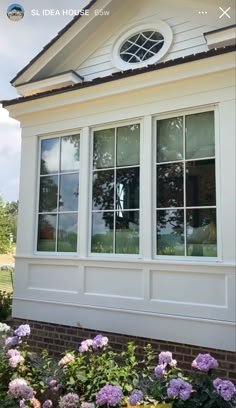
(100, 341)
(224, 388)
(47, 404)
(135, 397)
(70, 400)
(160, 370)
(84, 346)
(19, 388)
(109, 395)
(22, 331)
(179, 388)
(205, 362)
(165, 357)
(12, 341)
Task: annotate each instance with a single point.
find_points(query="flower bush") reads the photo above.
(95, 376)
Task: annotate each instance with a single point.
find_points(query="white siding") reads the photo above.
(188, 39)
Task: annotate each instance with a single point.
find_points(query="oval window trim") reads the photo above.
(158, 26)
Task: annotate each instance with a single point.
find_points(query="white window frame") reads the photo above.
(147, 210)
(153, 25)
(109, 256)
(194, 259)
(54, 135)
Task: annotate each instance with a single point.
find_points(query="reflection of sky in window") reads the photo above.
(69, 155)
(69, 192)
(168, 226)
(50, 154)
(99, 224)
(68, 222)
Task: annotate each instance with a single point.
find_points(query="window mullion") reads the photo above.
(146, 188)
(184, 169)
(114, 218)
(58, 195)
(85, 193)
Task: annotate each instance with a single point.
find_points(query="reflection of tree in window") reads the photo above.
(59, 191)
(188, 184)
(116, 190)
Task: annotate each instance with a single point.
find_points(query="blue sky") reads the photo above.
(19, 43)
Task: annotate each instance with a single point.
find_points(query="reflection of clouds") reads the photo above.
(68, 222)
(69, 192)
(69, 160)
(50, 154)
(99, 226)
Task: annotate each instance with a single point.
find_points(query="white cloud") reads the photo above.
(20, 42)
(10, 144)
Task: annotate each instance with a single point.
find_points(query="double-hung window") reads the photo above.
(58, 195)
(115, 193)
(185, 186)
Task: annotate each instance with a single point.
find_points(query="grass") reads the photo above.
(5, 281)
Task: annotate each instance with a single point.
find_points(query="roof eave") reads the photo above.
(124, 74)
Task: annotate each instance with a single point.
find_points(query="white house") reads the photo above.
(127, 194)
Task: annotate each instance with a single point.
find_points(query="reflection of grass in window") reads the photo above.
(177, 250)
(47, 245)
(171, 244)
(68, 244)
(102, 243)
(127, 243)
(202, 250)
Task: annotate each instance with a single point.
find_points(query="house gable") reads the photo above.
(89, 45)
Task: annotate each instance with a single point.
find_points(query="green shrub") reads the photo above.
(5, 304)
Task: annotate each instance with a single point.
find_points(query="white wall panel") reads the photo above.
(53, 278)
(115, 282)
(189, 288)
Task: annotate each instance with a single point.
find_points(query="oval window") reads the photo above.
(141, 47)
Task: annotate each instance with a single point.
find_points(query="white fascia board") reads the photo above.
(60, 44)
(221, 38)
(172, 74)
(47, 84)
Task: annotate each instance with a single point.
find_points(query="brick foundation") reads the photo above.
(57, 338)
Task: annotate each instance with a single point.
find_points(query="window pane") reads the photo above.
(102, 232)
(170, 185)
(170, 139)
(200, 135)
(127, 232)
(128, 145)
(69, 192)
(70, 153)
(104, 148)
(170, 232)
(67, 233)
(48, 194)
(49, 156)
(127, 188)
(201, 232)
(47, 232)
(200, 183)
(103, 190)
